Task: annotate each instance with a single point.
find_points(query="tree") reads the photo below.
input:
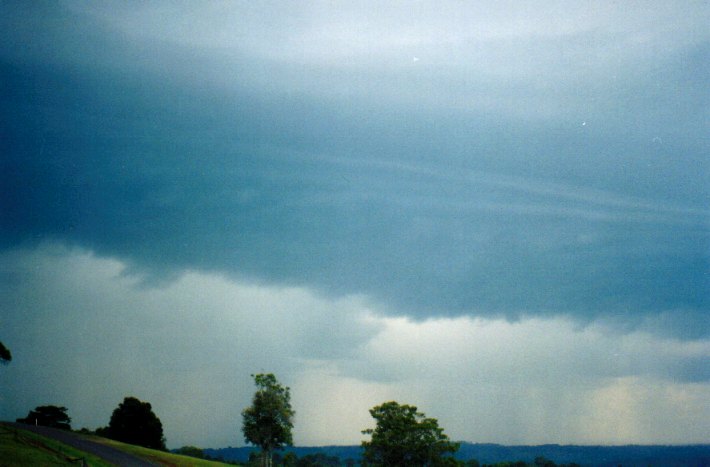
(48, 415)
(134, 422)
(191, 451)
(405, 437)
(5, 354)
(267, 423)
(318, 459)
(541, 461)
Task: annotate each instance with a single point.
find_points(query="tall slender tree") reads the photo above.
(267, 423)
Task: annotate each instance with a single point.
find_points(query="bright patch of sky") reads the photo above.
(85, 334)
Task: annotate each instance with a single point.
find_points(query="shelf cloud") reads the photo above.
(536, 171)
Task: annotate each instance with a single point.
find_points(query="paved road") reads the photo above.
(106, 453)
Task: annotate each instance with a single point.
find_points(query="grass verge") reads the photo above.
(160, 457)
(21, 448)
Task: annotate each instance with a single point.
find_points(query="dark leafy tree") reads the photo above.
(318, 460)
(5, 354)
(290, 459)
(134, 422)
(405, 437)
(48, 415)
(191, 451)
(267, 423)
(255, 459)
(541, 461)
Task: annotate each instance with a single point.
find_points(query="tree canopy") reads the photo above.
(192, 451)
(48, 415)
(5, 354)
(405, 437)
(267, 423)
(134, 422)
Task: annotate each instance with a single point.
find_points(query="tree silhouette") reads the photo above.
(134, 422)
(48, 415)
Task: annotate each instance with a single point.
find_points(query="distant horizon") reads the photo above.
(485, 444)
(587, 455)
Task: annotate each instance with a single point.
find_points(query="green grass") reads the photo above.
(21, 448)
(161, 457)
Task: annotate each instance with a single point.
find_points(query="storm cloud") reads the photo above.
(497, 164)
(392, 181)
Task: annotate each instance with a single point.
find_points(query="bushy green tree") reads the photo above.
(134, 422)
(268, 422)
(405, 437)
(48, 415)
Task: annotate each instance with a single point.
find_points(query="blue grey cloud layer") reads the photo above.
(510, 174)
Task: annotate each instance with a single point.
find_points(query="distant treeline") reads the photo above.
(492, 454)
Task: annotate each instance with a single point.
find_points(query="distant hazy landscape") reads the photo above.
(695, 455)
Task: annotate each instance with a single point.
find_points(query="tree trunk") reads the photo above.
(266, 458)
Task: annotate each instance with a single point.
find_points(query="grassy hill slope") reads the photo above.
(21, 447)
